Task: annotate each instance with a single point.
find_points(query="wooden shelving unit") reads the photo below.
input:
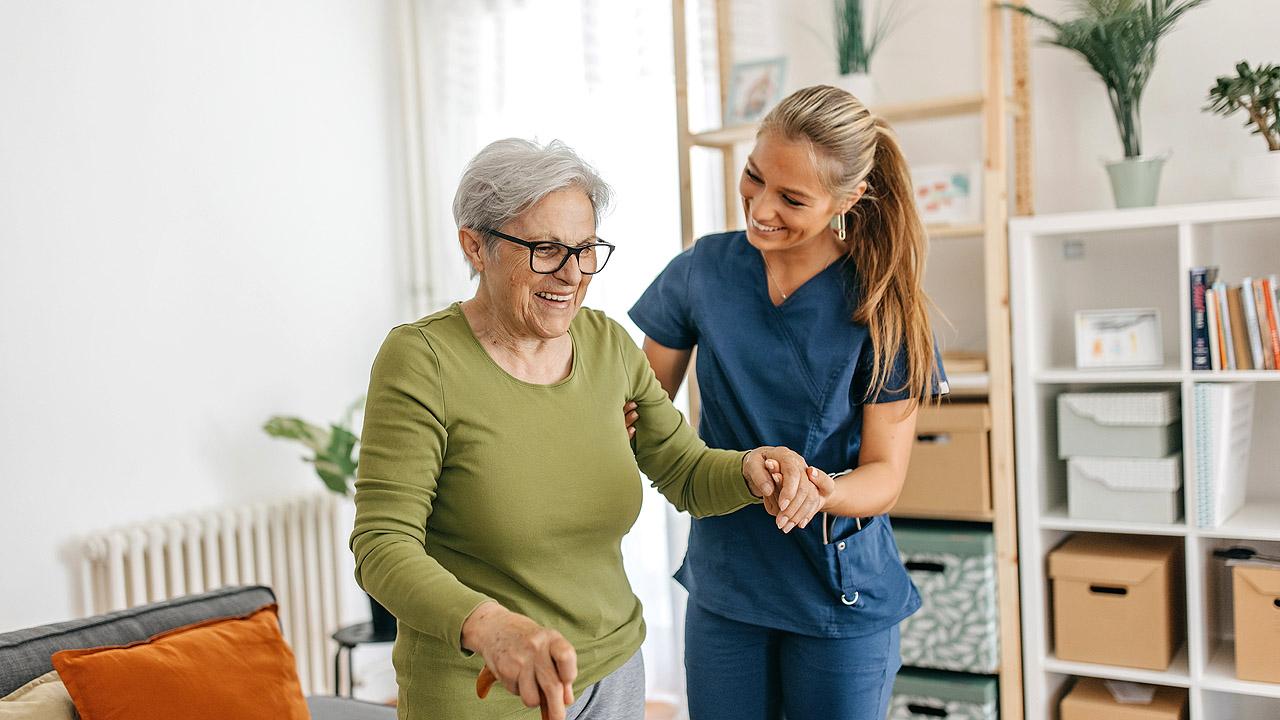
(1139, 258)
(1003, 105)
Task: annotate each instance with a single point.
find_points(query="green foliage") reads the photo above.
(1118, 39)
(854, 47)
(1256, 91)
(335, 450)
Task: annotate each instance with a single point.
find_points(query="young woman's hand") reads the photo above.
(629, 416)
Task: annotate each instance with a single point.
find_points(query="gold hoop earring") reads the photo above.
(837, 224)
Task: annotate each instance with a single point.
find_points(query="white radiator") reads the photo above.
(294, 546)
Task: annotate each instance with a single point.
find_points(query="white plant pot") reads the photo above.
(1257, 175)
(860, 85)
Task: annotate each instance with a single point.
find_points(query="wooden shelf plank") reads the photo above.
(939, 232)
(933, 109)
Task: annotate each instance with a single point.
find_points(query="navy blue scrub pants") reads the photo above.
(740, 671)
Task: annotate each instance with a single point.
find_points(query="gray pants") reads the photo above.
(619, 696)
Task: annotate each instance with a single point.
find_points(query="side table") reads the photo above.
(348, 638)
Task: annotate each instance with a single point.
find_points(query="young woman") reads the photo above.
(812, 331)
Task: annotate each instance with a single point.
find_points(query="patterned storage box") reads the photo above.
(957, 628)
(929, 694)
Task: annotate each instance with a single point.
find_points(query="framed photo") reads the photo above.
(1119, 338)
(948, 194)
(754, 88)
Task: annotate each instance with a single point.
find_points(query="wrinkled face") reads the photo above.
(784, 200)
(534, 305)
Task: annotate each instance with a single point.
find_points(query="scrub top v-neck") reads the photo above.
(794, 374)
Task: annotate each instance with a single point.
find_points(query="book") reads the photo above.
(1273, 332)
(1274, 281)
(1228, 346)
(1199, 325)
(1248, 299)
(1211, 320)
(1264, 331)
(1239, 333)
(1223, 435)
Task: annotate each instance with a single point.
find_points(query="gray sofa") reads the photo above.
(25, 654)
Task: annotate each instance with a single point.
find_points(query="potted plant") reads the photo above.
(1256, 91)
(1119, 39)
(855, 45)
(335, 453)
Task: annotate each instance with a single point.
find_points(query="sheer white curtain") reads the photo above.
(596, 74)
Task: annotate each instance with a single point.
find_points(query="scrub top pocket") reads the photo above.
(856, 558)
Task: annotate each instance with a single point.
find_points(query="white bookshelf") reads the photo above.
(1127, 259)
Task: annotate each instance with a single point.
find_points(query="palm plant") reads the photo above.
(1257, 93)
(1118, 38)
(854, 47)
(335, 449)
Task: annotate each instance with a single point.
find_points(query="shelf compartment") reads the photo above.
(1220, 675)
(1233, 706)
(1257, 520)
(1096, 271)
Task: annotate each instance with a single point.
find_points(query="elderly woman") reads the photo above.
(497, 480)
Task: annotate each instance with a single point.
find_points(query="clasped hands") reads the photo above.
(792, 491)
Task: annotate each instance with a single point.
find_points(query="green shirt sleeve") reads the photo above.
(401, 454)
(696, 479)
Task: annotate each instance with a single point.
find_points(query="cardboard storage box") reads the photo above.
(948, 475)
(1091, 700)
(1117, 600)
(957, 626)
(1119, 424)
(931, 694)
(1128, 489)
(1257, 599)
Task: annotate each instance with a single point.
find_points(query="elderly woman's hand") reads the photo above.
(782, 478)
(530, 661)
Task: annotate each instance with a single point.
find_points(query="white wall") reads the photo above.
(198, 229)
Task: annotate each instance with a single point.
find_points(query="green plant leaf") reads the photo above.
(1118, 39)
(336, 448)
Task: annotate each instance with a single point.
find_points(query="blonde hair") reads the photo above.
(886, 240)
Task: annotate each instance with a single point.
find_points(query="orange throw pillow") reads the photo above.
(218, 669)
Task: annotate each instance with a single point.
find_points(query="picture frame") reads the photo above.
(754, 88)
(1120, 338)
(948, 193)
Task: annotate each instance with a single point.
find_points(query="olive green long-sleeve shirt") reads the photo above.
(474, 485)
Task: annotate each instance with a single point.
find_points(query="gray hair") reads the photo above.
(510, 176)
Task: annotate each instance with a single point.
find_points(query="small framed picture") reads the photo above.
(1127, 338)
(754, 88)
(949, 194)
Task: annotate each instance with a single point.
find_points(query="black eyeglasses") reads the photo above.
(546, 257)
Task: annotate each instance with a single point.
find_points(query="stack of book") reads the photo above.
(1234, 327)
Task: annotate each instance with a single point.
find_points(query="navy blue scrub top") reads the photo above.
(797, 375)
